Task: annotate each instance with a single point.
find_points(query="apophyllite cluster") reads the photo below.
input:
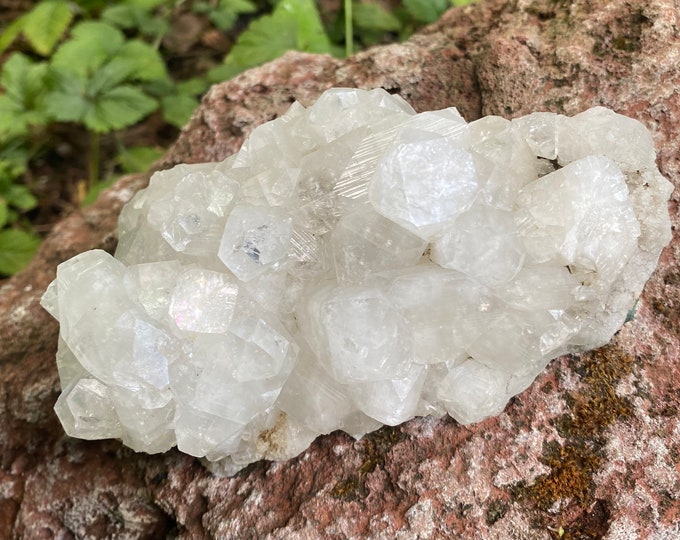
(356, 264)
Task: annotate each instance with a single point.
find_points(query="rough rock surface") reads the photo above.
(589, 451)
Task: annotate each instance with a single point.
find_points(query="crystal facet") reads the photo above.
(355, 264)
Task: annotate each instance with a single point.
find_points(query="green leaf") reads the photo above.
(46, 23)
(192, 87)
(91, 44)
(294, 24)
(374, 17)
(3, 213)
(133, 15)
(178, 109)
(13, 75)
(109, 75)
(22, 79)
(20, 197)
(311, 34)
(66, 101)
(13, 122)
(123, 15)
(145, 62)
(16, 250)
(426, 11)
(227, 12)
(24, 84)
(149, 5)
(13, 161)
(120, 107)
(201, 7)
(138, 158)
(224, 72)
(91, 7)
(153, 26)
(10, 33)
(95, 190)
(159, 87)
(135, 60)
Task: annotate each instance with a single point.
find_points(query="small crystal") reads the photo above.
(482, 243)
(255, 239)
(367, 338)
(86, 410)
(355, 264)
(203, 301)
(364, 242)
(413, 186)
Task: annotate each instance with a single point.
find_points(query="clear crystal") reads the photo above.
(255, 239)
(353, 265)
(425, 179)
(203, 301)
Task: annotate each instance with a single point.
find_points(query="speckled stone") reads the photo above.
(591, 447)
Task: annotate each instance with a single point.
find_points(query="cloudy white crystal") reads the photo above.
(355, 264)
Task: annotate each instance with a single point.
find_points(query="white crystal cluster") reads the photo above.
(356, 264)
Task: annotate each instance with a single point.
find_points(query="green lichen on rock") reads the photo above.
(373, 450)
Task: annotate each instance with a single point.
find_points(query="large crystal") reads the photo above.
(356, 264)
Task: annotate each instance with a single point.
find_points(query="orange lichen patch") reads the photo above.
(571, 475)
(573, 463)
(597, 405)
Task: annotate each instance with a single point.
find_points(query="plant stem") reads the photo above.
(93, 162)
(349, 33)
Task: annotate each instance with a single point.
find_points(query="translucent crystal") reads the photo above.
(482, 243)
(367, 338)
(86, 410)
(539, 130)
(413, 184)
(503, 159)
(203, 301)
(472, 391)
(151, 285)
(580, 215)
(364, 242)
(255, 239)
(355, 264)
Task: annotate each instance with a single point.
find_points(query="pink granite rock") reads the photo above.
(590, 451)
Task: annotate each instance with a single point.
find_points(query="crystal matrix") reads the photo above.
(356, 264)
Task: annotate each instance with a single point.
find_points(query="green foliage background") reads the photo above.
(101, 66)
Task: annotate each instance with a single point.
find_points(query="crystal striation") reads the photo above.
(356, 264)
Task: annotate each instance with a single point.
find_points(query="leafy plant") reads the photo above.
(373, 17)
(224, 13)
(14, 197)
(139, 14)
(94, 75)
(293, 25)
(94, 80)
(177, 100)
(138, 158)
(42, 26)
(349, 29)
(131, 160)
(21, 104)
(373, 21)
(17, 246)
(91, 76)
(427, 11)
